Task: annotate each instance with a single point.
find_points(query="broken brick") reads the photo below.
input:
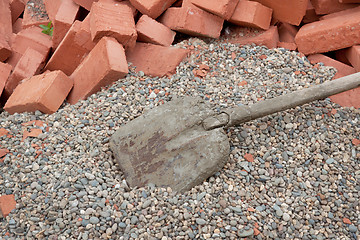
(291, 12)
(5, 29)
(348, 98)
(105, 64)
(330, 6)
(5, 70)
(244, 36)
(252, 14)
(28, 65)
(7, 204)
(29, 37)
(310, 14)
(341, 13)
(329, 34)
(17, 26)
(64, 18)
(17, 8)
(221, 8)
(45, 92)
(114, 20)
(34, 14)
(152, 8)
(192, 21)
(85, 3)
(353, 56)
(73, 48)
(155, 60)
(3, 152)
(151, 31)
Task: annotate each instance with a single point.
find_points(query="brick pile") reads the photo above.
(93, 41)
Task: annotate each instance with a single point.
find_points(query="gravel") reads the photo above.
(303, 181)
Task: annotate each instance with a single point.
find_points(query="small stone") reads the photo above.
(352, 228)
(94, 220)
(200, 221)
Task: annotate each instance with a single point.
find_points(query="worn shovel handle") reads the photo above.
(241, 114)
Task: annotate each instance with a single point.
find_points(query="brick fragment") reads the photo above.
(105, 64)
(329, 34)
(35, 14)
(29, 64)
(244, 36)
(341, 13)
(52, 6)
(310, 14)
(156, 60)
(151, 31)
(115, 20)
(17, 8)
(17, 26)
(73, 48)
(152, 8)
(353, 56)
(192, 21)
(45, 92)
(221, 8)
(7, 204)
(5, 29)
(330, 6)
(348, 98)
(252, 14)
(85, 3)
(65, 16)
(5, 70)
(291, 12)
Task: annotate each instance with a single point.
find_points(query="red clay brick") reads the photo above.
(310, 14)
(287, 32)
(7, 204)
(345, 99)
(349, 1)
(330, 6)
(115, 20)
(244, 36)
(221, 8)
(287, 45)
(105, 64)
(330, 34)
(353, 56)
(17, 8)
(5, 29)
(52, 6)
(29, 65)
(73, 48)
(35, 14)
(65, 16)
(156, 60)
(252, 14)
(341, 13)
(17, 26)
(151, 31)
(85, 3)
(152, 8)
(192, 21)
(5, 70)
(291, 12)
(31, 37)
(45, 92)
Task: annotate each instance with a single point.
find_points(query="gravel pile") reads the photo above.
(291, 175)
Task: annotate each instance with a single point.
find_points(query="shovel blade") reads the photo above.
(169, 147)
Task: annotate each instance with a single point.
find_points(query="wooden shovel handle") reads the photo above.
(241, 114)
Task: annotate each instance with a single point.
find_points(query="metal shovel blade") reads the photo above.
(169, 147)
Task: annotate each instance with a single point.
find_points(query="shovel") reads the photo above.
(181, 143)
